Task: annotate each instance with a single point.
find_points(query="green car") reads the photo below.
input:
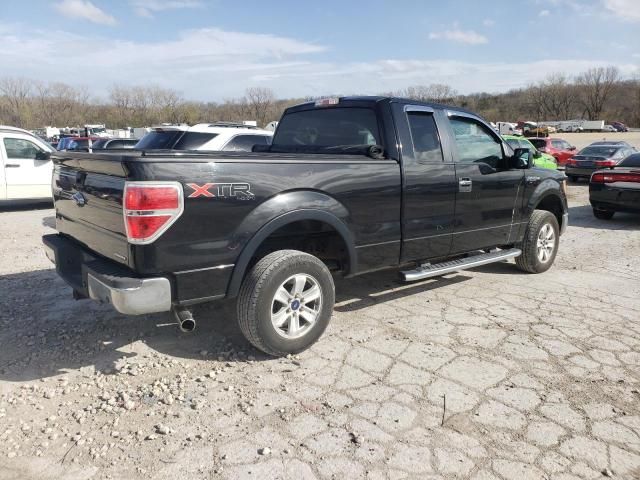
(540, 160)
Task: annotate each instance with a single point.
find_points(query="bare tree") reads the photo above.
(259, 102)
(435, 92)
(596, 85)
(16, 92)
(558, 97)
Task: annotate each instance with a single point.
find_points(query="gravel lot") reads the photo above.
(486, 374)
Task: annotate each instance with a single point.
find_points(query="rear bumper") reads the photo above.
(579, 171)
(614, 199)
(105, 281)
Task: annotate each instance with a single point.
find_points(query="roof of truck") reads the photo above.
(377, 98)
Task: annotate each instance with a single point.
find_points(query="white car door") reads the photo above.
(27, 168)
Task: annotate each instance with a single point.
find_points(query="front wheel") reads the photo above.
(285, 302)
(603, 214)
(540, 244)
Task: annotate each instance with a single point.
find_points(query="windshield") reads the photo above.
(328, 127)
(601, 151)
(513, 143)
(631, 161)
(159, 140)
(541, 143)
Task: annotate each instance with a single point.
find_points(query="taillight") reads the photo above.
(601, 177)
(572, 162)
(150, 208)
(606, 163)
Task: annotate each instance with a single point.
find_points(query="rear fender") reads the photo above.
(282, 210)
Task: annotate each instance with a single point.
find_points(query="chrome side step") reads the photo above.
(437, 269)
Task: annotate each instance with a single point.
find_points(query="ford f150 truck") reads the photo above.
(349, 185)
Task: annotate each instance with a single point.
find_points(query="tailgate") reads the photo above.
(87, 191)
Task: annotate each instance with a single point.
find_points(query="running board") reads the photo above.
(437, 269)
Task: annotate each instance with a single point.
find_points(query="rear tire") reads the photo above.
(603, 214)
(540, 244)
(285, 302)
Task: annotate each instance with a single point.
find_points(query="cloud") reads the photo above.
(487, 22)
(459, 36)
(213, 64)
(628, 10)
(84, 9)
(146, 8)
(544, 13)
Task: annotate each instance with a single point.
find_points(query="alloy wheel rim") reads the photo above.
(296, 306)
(546, 243)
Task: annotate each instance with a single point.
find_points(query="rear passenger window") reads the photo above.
(424, 134)
(244, 143)
(475, 143)
(194, 140)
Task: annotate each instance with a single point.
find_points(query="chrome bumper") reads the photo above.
(147, 295)
(565, 223)
(105, 281)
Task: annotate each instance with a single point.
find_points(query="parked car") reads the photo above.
(349, 185)
(620, 127)
(609, 128)
(220, 136)
(560, 149)
(78, 144)
(25, 166)
(114, 143)
(595, 157)
(620, 143)
(540, 160)
(616, 189)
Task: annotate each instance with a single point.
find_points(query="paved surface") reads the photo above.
(486, 374)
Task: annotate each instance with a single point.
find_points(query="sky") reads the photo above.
(212, 50)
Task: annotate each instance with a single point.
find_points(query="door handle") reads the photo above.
(465, 184)
(12, 165)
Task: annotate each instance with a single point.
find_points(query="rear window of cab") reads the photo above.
(328, 127)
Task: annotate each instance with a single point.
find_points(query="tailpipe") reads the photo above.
(186, 322)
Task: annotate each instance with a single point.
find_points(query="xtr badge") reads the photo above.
(240, 191)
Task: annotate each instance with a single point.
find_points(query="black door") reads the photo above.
(488, 190)
(429, 184)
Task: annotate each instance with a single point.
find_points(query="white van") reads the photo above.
(25, 166)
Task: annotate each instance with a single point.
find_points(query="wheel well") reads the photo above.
(553, 204)
(315, 237)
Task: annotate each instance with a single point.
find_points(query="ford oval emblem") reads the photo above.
(79, 199)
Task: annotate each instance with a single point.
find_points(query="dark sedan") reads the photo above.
(595, 157)
(617, 189)
(114, 143)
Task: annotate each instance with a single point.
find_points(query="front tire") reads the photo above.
(603, 214)
(285, 302)
(540, 244)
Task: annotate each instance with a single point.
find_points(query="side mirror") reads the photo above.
(42, 155)
(572, 148)
(537, 154)
(521, 159)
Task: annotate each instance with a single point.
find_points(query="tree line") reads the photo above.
(596, 94)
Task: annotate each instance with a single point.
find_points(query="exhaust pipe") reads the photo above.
(186, 322)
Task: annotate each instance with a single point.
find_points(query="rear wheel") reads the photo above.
(603, 214)
(285, 302)
(540, 244)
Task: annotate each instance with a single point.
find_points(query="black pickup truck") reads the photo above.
(349, 185)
